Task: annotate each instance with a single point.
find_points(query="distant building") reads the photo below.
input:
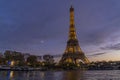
(26, 55)
(39, 58)
(1, 55)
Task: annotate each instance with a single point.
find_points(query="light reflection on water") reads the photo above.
(60, 75)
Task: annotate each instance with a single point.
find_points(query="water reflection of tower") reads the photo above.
(73, 75)
(73, 52)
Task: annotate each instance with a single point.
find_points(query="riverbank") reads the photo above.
(55, 68)
(45, 69)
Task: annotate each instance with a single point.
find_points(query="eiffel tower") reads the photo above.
(73, 52)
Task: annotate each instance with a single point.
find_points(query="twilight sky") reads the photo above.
(41, 27)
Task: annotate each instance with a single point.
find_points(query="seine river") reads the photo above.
(60, 75)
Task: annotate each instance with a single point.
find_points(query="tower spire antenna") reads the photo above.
(71, 6)
(71, 2)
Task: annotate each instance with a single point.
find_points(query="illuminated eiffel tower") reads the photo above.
(73, 52)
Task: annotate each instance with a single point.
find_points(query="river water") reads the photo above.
(60, 75)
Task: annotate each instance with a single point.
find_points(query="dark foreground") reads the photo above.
(60, 75)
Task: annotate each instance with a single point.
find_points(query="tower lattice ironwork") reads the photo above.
(73, 52)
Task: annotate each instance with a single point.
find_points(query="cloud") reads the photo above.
(111, 47)
(96, 21)
(25, 24)
(97, 54)
(33, 21)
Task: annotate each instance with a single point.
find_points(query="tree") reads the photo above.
(48, 59)
(32, 60)
(17, 57)
(2, 59)
(48, 62)
(8, 55)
